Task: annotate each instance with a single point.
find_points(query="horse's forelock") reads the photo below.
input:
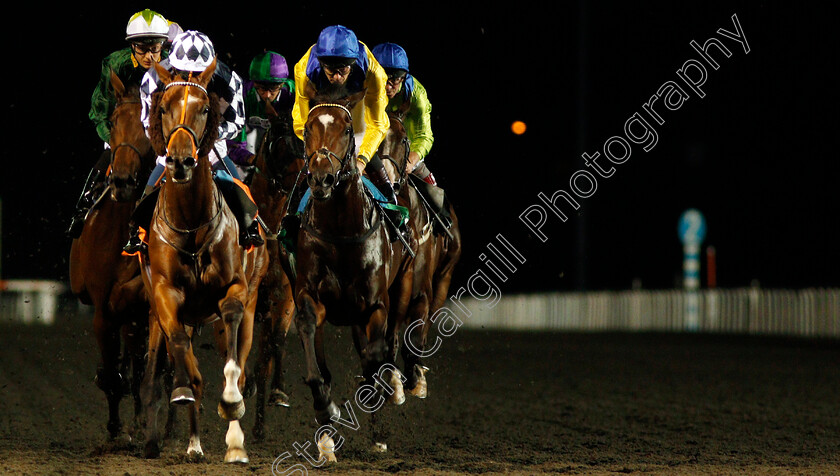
(158, 139)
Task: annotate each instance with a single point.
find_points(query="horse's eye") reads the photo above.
(348, 131)
(206, 110)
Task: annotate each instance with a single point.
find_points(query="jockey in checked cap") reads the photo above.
(146, 33)
(338, 57)
(193, 52)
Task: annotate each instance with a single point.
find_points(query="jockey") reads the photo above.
(402, 86)
(146, 33)
(338, 57)
(269, 82)
(193, 52)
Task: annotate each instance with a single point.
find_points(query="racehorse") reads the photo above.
(195, 270)
(437, 255)
(348, 272)
(100, 275)
(278, 161)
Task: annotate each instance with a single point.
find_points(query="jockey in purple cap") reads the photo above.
(269, 82)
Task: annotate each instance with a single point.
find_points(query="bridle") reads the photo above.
(181, 126)
(195, 140)
(401, 169)
(330, 155)
(341, 175)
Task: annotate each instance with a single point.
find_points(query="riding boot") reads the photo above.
(245, 211)
(380, 180)
(92, 188)
(142, 214)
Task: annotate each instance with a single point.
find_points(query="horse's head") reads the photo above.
(395, 146)
(130, 148)
(183, 121)
(279, 148)
(329, 140)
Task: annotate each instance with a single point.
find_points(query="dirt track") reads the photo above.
(500, 403)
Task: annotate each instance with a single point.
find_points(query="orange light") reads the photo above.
(518, 127)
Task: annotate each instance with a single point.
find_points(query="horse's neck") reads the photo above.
(189, 205)
(346, 212)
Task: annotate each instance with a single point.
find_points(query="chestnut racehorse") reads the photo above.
(195, 270)
(437, 255)
(278, 162)
(348, 271)
(100, 275)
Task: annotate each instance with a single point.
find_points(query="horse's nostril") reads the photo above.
(189, 162)
(329, 180)
(170, 160)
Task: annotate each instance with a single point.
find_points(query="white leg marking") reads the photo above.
(195, 447)
(231, 392)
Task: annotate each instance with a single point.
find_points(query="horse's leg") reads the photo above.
(399, 301)
(376, 369)
(136, 340)
(151, 391)
(194, 451)
(262, 369)
(239, 327)
(309, 318)
(285, 313)
(108, 377)
(416, 381)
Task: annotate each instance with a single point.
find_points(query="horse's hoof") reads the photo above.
(182, 396)
(379, 447)
(231, 411)
(195, 456)
(398, 395)
(420, 389)
(278, 398)
(326, 449)
(151, 450)
(236, 455)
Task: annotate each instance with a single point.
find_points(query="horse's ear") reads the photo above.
(164, 74)
(270, 111)
(309, 90)
(117, 85)
(354, 98)
(206, 75)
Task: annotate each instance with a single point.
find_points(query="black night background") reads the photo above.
(756, 154)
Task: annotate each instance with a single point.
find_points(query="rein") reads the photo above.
(182, 127)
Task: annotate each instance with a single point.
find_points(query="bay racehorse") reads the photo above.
(437, 255)
(100, 275)
(349, 273)
(278, 161)
(195, 271)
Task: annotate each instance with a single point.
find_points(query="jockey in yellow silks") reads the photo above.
(338, 57)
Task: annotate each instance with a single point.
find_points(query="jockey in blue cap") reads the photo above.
(402, 87)
(338, 57)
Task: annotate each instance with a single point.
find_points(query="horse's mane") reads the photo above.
(156, 126)
(330, 93)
